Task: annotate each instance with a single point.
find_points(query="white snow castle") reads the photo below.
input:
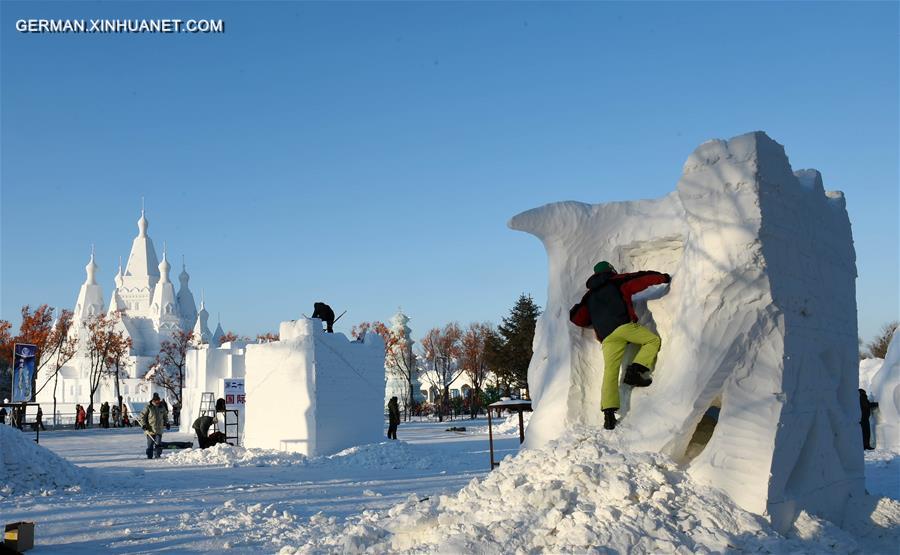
(147, 309)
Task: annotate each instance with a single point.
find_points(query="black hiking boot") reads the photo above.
(634, 377)
(609, 419)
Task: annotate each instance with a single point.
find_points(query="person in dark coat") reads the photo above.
(393, 418)
(201, 426)
(104, 415)
(323, 312)
(2, 415)
(615, 325)
(39, 419)
(865, 410)
(153, 421)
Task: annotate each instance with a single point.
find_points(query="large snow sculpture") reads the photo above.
(885, 390)
(313, 392)
(759, 321)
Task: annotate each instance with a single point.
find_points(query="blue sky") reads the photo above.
(370, 154)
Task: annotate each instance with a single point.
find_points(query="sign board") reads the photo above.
(234, 392)
(23, 372)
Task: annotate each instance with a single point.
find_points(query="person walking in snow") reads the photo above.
(608, 302)
(116, 416)
(39, 420)
(2, 415)
(152, 421)
(393, 418)
(865, 412)
(323, 312)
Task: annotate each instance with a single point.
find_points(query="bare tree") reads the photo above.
(441, 351)
(62, 344)
(879, 346)
(117, 359)
(474, 361)
(167, 371)
(102, 337)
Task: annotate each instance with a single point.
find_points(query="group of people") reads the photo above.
(17, 416)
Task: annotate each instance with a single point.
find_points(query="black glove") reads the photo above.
(668, 278)
(146, 427)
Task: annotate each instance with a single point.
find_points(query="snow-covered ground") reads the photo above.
(429, 492)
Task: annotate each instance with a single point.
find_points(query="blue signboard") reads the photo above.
(23, 372)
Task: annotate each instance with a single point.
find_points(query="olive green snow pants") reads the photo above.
(613, 350)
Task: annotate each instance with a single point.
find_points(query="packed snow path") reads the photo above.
(247, 500)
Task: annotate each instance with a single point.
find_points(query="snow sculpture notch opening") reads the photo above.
(760, 319)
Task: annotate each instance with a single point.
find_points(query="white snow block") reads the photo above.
(885, 390)
(314, 393)
(759, 320)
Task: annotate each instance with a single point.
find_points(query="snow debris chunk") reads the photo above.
(580, 493)
(27, 468)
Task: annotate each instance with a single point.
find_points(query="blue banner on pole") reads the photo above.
(23, 372)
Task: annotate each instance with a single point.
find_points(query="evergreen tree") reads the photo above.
(517, 334)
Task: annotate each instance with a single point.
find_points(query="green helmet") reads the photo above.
(603, 266)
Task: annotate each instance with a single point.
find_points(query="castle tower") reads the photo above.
(164, 307)
(187, 307)
(90, 296)
(141, 272)
(202, 335)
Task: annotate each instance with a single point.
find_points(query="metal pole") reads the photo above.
(491, 437)
(521, 428)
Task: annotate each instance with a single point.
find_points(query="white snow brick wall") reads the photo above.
(760, 320)
(886, 392)
(314, 393)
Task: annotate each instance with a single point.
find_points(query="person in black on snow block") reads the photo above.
(323, 312)
(393, 418)
(865, 410)
(608, 308)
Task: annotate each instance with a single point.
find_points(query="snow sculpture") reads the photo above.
(885, 390)
(313, 392)
(759, 322)
(396, 365)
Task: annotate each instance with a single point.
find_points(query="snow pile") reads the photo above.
(386, 455)
(759, 322)
(509, 427)
(868, 367)
(234, 456)
(27, 468)
(579, 493)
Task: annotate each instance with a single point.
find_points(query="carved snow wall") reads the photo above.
(758, 324)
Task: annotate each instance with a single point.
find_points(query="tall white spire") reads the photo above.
(164, 267)
(186, 304)
(142, 262)
(202, 335)
(90, 296)
(91, 270)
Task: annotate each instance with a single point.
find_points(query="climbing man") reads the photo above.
(615, 325)
(323, 312)
(153, 422)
